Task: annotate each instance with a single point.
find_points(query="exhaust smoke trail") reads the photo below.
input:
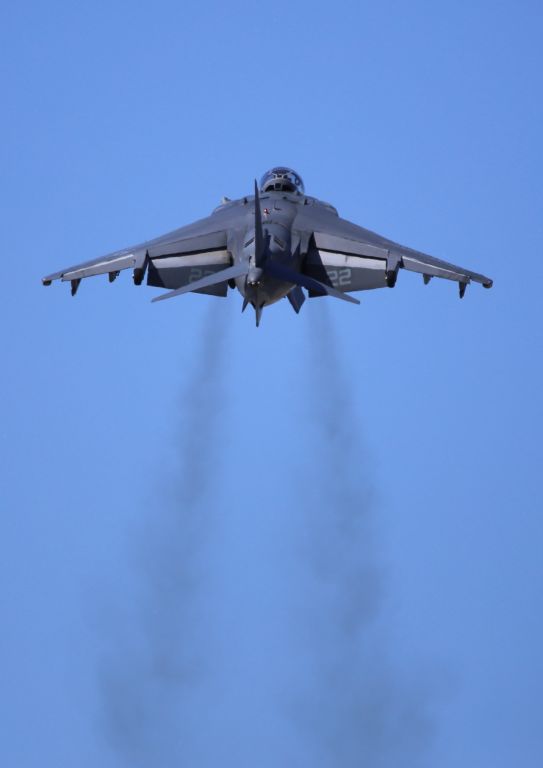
(151, 688)
(355, 710)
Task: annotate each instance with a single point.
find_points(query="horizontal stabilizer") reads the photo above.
(238, 270)
(289, 276)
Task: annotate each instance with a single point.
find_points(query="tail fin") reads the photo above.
(237, 270)
(282, 272)
(258, 313)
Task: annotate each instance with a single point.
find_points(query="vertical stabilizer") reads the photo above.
(258, 313)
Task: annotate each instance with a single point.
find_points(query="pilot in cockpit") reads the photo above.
(282, 180)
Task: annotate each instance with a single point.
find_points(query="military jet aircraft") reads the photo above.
(270, 245)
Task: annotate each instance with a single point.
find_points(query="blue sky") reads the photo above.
(422, 121)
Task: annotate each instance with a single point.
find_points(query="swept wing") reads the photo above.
(177, 258)
(353, 258)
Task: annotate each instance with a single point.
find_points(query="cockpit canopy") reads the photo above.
(282, 180)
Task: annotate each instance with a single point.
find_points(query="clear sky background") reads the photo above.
(182, 583)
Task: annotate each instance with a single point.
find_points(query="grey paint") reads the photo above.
(269, 246)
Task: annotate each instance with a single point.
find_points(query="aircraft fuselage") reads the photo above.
(278, 215)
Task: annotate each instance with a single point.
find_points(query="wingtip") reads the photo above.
(48, 279)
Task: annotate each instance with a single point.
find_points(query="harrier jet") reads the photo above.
(270, 245)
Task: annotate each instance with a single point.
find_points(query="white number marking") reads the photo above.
(196, 273)
(340, 277)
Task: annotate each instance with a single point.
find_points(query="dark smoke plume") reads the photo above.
(355, 710)
(150, 686)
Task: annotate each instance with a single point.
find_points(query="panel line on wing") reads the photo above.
(202, 259)
(183, 254)
(335, 259)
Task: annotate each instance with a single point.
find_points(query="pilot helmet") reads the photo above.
(282, 180)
